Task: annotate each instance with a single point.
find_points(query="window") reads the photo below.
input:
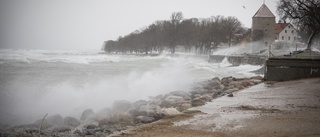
(285, 31)
(282, 37)
(292, 31)
(276, 37)
(289, 26)
(288, 37)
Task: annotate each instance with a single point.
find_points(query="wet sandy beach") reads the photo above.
(290, 108)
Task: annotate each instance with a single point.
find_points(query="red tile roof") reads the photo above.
(280, 26)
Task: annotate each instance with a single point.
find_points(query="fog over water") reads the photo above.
(36, 82)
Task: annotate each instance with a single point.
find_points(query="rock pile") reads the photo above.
(125, 114)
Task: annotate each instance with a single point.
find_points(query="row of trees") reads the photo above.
(203, 34)
(207, 34)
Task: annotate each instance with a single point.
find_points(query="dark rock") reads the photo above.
(215, 83)
(55, 120)
(216, 94)
(257, 78)
(91, 126)
(178, 102)
(230, 95)
(45, 124)
(86, 114)
(144, 119)
(62, 129)
(121, 106)
(183, 94)
(245, 83)
(197, 102)
(236, 84)
(215, 79)
(150, 110)
(231, 90)
(226, 80)
(71, 121)
(88, 132)
(256, 81)
(171, 101)
(205, 98)
(134, 112)
(27, 126)
(140, 103)
(123, 117)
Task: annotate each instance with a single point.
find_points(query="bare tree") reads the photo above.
(204, 34)
(175, 19)
(232, 26)
(305, 14)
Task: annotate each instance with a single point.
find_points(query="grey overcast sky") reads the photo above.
(85, 24)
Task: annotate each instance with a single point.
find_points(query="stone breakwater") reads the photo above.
(124, 114)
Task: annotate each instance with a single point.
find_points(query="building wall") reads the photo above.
(288, 34)
(266, 24)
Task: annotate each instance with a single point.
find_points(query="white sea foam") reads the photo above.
(29, 56)
(30, 91)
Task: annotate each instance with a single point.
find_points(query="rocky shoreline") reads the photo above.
(124, 114)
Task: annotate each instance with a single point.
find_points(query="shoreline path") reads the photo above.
(290, 108)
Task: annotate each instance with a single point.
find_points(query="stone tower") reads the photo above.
(263, 24)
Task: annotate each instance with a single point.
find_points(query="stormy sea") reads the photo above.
(38, 82)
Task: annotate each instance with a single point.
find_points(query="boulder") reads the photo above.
(245, 83)
(121, 118)
(226, 80)
(45, 124)
(150, 110)
(231, 90)
(100, 114)
(236, 84)
(230, 95)
(184, 106)
(170, 111)
(197, 102)
(215, 83)
(257, 78)
(183, 94)
(144, 119)
(205, 98)
(155, 101)
(256, 81)
(215, 79)
(93, 125)
(62, 129)
(55, 120)
(172, 101)
(71, 121)
(121, 106)
(86, 114)
(216, 94)
(178, 102)
(140, 103)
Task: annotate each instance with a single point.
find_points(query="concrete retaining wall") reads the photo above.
(238, 60)
(281, 69)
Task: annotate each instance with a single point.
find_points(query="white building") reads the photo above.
(285, 32)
